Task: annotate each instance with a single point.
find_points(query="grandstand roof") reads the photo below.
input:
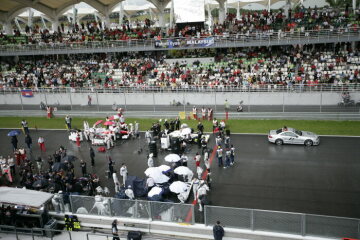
(52, 8)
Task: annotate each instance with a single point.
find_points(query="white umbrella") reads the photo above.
(154, 191)
(164, 167)
(185, 131)
(178, 187)
(156, 174)
(172, 158)
(184, 125)
(116, 116)
(175, 133)
(182, 170)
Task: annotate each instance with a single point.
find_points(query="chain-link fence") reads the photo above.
(283, 222)
(105, 206)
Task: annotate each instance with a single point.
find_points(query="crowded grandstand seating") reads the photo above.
(246, 68)
(254, 22)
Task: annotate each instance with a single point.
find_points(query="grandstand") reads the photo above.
(274, 59)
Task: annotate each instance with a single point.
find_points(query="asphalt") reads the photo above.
(318, 180)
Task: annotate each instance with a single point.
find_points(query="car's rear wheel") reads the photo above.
(279, 142)
(308, 143)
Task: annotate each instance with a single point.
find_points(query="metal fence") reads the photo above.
(283, 222)
(296, 88)
(137, 209)
(226, 40)
(150, 101)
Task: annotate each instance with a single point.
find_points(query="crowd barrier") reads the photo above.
(309, 225)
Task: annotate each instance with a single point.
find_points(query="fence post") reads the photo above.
(321, 101)
(110, 208)
(215, 101)
(32, 234)
(71, 105)
(205, 214)
(303, 224)
(125, 99)
(153, 100)
(283, 97)
(150, 212)
(97, 101)
(249, 102)
(71, 237)
(71, 204)
(184, 103)
(22, 106)
(193, 214)
(252, 220)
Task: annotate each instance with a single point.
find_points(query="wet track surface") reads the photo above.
(319, 180)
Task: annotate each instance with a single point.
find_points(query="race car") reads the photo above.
(293, 136)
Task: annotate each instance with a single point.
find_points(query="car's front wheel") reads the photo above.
(279, 142)
(308, 143)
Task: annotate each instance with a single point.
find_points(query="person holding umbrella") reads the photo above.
(28, 141)
(92, 156)
(83, 167)
(14, 142)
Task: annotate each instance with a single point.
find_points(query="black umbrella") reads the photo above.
(69, 158)
(58, 166)
(42, 183)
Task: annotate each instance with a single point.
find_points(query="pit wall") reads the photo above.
(261, 98)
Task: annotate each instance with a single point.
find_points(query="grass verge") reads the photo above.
(349, 128)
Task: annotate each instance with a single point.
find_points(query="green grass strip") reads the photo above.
(347, 128)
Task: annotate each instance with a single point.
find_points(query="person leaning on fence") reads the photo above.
(218, 231)
(115, 231)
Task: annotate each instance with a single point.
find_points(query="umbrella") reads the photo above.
(69, 158)
(164, 168)
(184, 125)
(98, 122)
(14, 133)
(155, 191)
(42, 183)
(108, 123)
(182, 170)
(175, 133)
(156, 174)
(114, 117)
(58, 166)
(178, 187)
(172, 158)
(185, 131)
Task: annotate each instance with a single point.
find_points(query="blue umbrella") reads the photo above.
(14, 133)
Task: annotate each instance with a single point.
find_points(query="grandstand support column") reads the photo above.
(238, 16)
(287, 8)
(354, 6)
(30, 17)
(160, 5)
(210, 18)
(121, 13)
(8, 28)
(269, 5)
(55, 25)
(43, 22)
(221, 11)
(172, 14)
